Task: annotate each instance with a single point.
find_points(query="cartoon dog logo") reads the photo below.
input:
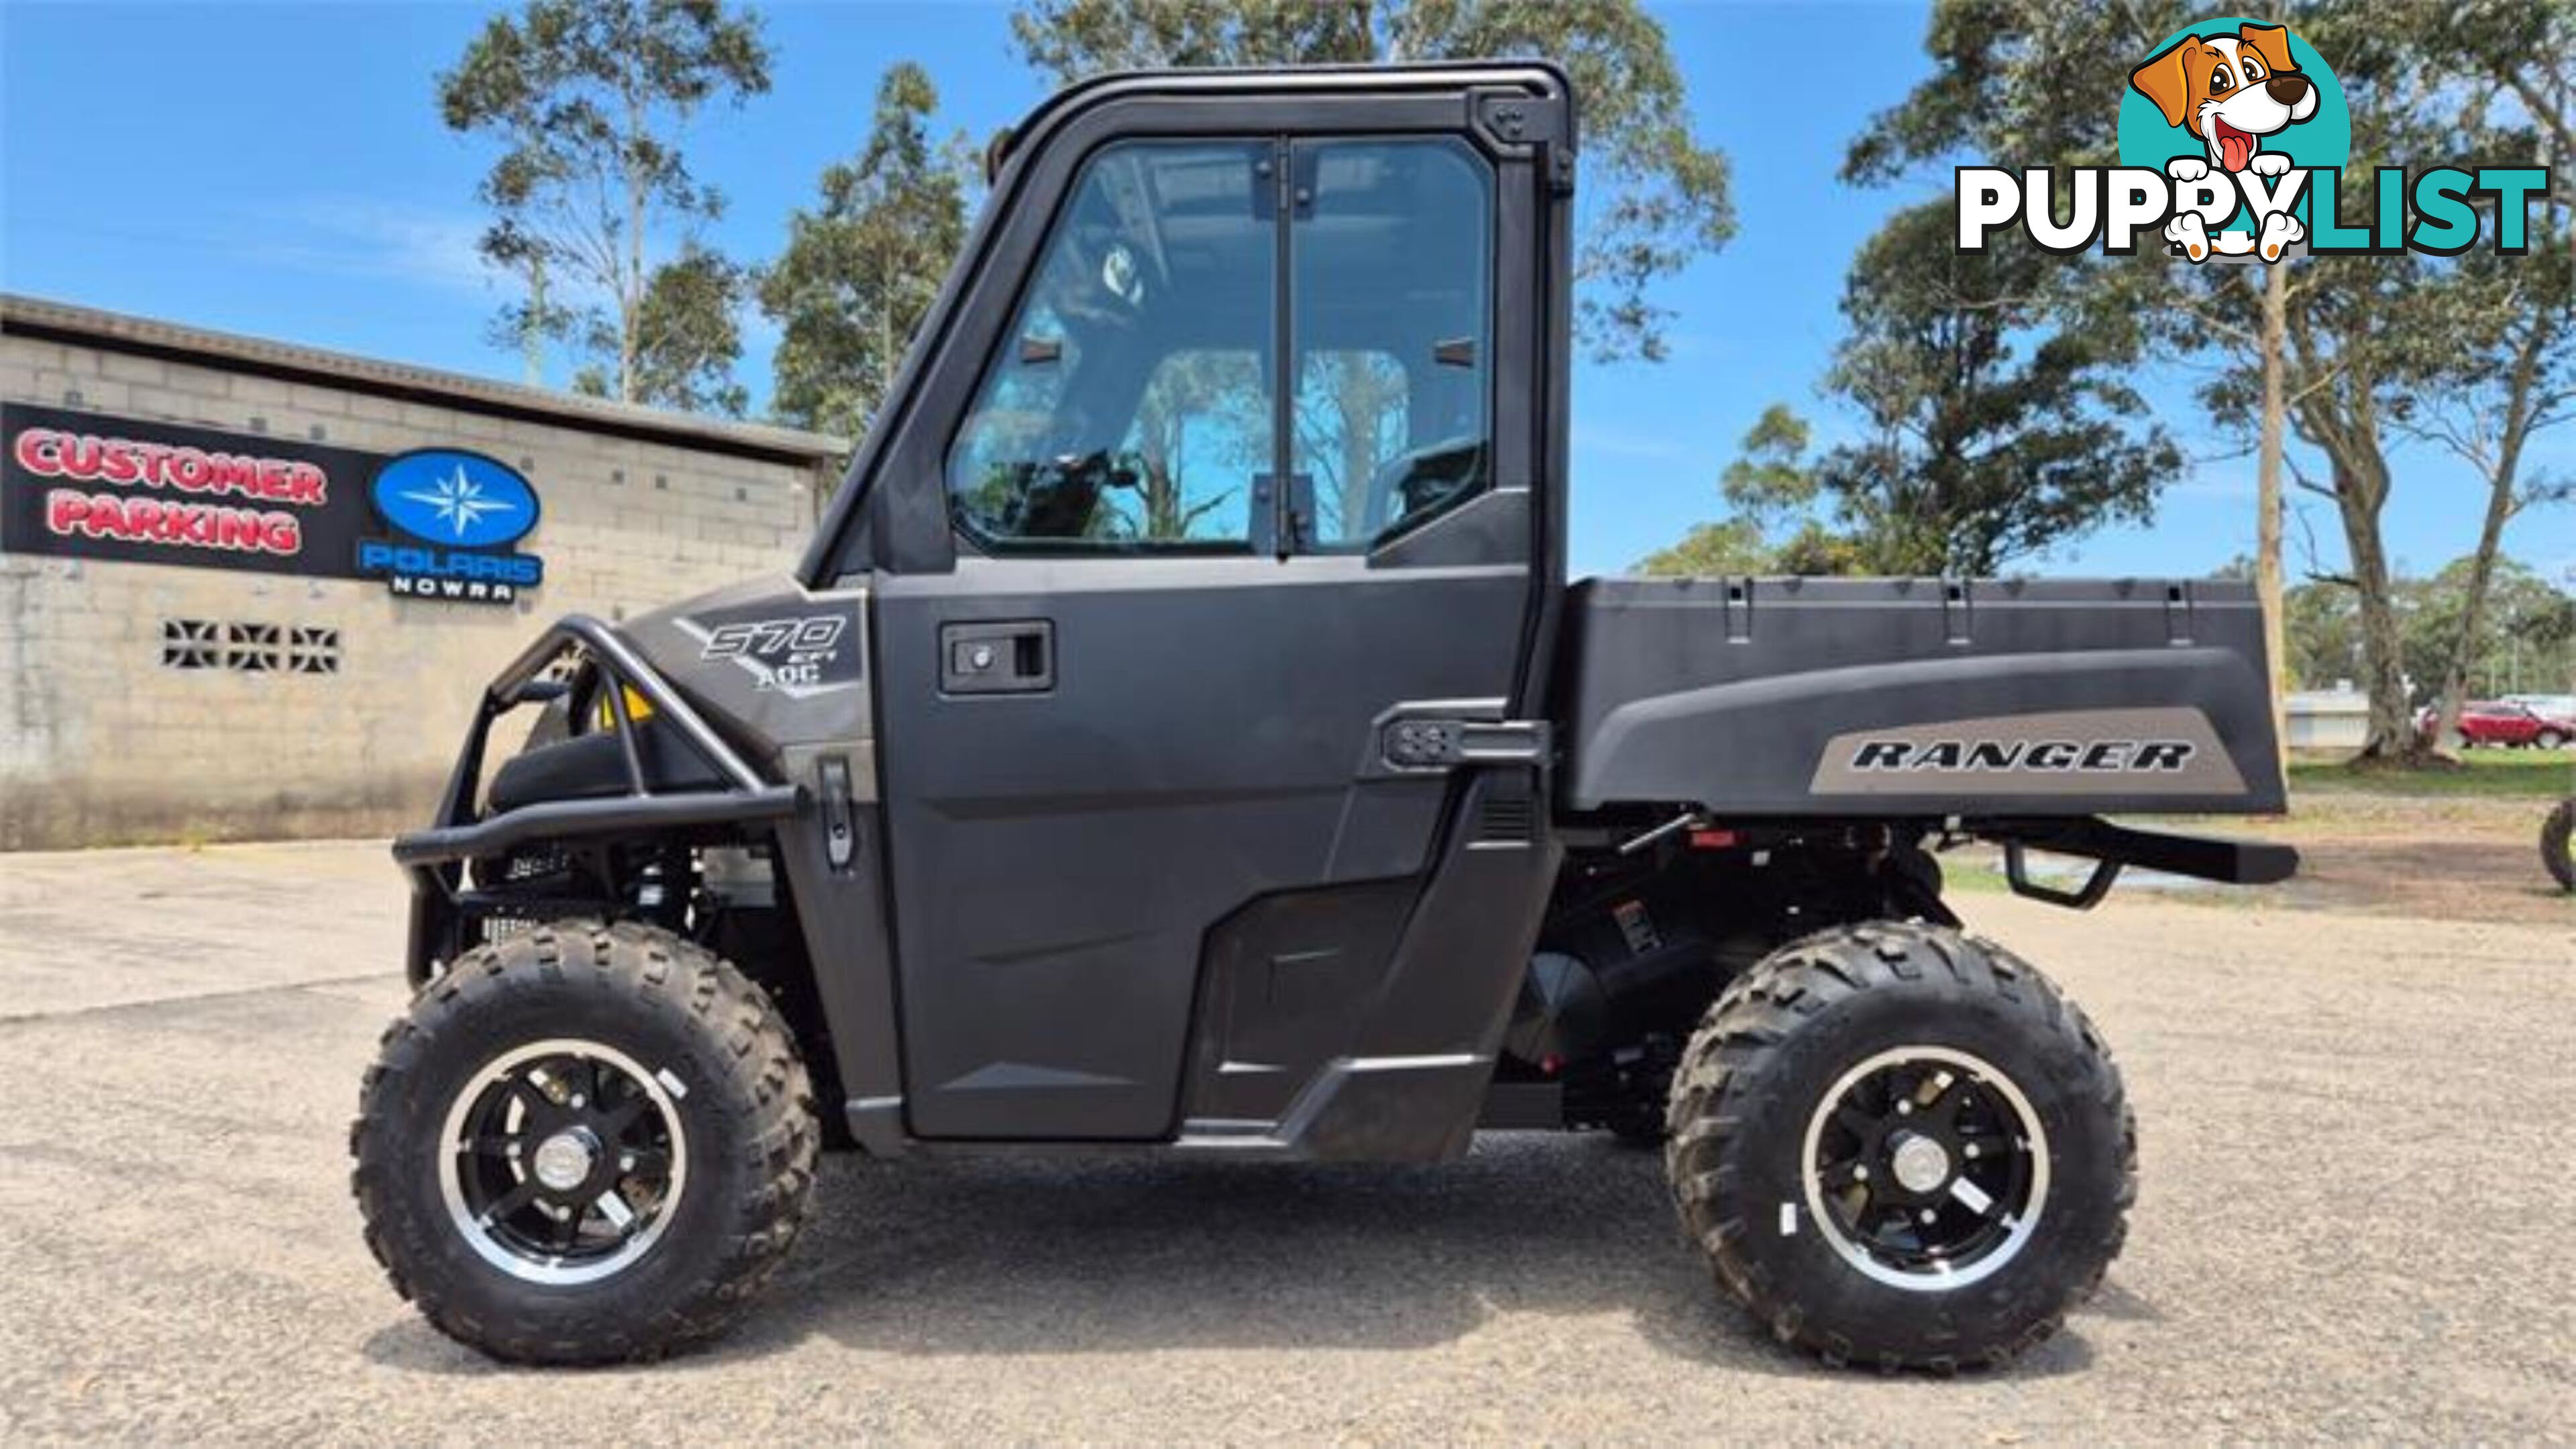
(2230, 91)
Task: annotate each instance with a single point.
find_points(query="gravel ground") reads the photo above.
(2352, 1225)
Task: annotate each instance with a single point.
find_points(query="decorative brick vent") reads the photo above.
(251, 648)
(191, 644)
(311, 650)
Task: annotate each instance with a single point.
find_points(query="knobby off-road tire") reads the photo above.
(1815, 1070)
(2558, 844)
(689, 1078)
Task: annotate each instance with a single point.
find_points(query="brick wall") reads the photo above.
(102, 743)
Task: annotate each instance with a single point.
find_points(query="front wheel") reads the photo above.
(2558, 844)
(2550, 740)
(584, 1144)
(1901, 1146)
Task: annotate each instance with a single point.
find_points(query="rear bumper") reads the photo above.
(2113, 848)
(2229, 862)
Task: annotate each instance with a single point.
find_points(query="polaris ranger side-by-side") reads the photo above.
(1181, 738)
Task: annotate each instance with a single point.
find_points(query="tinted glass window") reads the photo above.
(1393, 305)
(1128, 407)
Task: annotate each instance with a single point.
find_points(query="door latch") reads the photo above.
(1011, 657)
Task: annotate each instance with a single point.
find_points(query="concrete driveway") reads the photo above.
(2354, 1223)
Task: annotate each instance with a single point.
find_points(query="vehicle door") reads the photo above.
(1228, 502)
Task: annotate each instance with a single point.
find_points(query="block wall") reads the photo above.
(104, 740)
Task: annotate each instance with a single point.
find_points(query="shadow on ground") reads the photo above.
(1038, 1255)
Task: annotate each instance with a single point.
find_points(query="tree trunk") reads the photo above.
(2360, 488)
(2267, 492)
(2455, 679)
(631, 299)
(532, 329)
(2503, 481)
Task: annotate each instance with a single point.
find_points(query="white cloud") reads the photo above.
(366, 237)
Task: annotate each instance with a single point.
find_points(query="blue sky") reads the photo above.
(279, 169)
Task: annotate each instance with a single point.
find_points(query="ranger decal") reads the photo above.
(2022, 754)
(2111, 753)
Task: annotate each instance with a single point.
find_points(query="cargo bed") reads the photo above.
(1919, 697)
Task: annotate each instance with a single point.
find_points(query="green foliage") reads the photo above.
(588, 98)
(2525, 640)
(1770, 475)
(861, 270)
(2522, 640)
(2321, 625)
(688, 336)
(2369, 341)
(1664, 197)
(1986, 439)
(1713, 550)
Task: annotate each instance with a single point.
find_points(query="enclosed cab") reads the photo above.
(1181, 738)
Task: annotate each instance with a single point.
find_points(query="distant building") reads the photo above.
(2328, 719)
(251, 589)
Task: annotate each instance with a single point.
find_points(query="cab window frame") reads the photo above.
(988, 374)
(1271, 537)
(1488, 340)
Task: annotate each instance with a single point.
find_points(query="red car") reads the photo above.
(2490, 722)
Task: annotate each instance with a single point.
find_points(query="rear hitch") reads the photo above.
(2113, 847)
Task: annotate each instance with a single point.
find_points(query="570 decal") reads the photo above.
(766, 638)
(796, 654)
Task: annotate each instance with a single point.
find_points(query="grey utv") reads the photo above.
(1181, 737)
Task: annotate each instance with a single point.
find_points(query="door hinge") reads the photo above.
(1516, 121)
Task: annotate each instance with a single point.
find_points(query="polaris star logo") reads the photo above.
(451, 517)
(2049, 756)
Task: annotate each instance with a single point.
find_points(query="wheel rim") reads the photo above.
(562, 1161)
(1925, 1168)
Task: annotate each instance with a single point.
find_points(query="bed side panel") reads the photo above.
(1920, 697)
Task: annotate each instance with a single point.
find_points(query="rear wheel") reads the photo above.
(584, 1144)
(1900, 1146)
(2558, 844)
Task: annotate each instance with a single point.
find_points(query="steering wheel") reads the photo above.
(1063, 493)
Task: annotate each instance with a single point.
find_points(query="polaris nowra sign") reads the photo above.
(457, 513)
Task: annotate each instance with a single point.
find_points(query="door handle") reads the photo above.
(1015, 656)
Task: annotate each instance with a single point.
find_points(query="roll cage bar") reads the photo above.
(461, 833)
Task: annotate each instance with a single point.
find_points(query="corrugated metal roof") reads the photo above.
(122, 332)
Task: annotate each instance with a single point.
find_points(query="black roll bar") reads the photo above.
(459, 835)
